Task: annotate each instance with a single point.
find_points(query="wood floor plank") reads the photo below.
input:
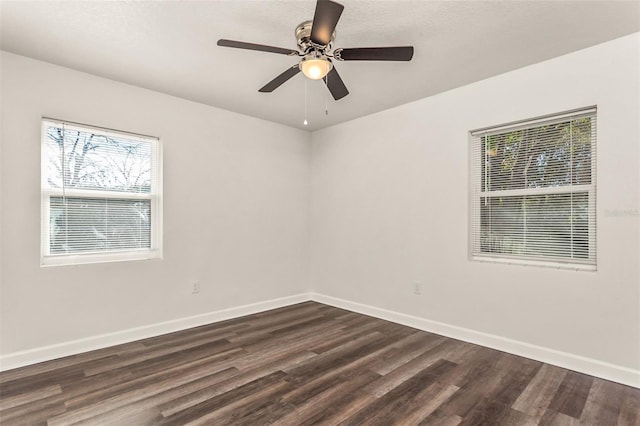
(390, 404)
(203, 345)
(29, 397)
(553, 418)
(209, 365)
(337, 357)
(478, 382)
(137, 417)
(538, 394)
(234, 413)
(603, 404)
(404, 372)
(342, 336)
(415, 397)
(427, 401)
(62, 376)
(630, 407)
(311, 386)
(571, 396)
(36, 415)
(520, 373)
(408, 348)
(308, 364)
(149, 406)
(447, 421)
(263, 331)
(213, 410)
(314, 407)
(487, 412)
(180, 337)
(85, 412)
(346, 407)
(515, 417)
(183, 403)
(71, 390)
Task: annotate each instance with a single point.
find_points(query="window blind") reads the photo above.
(533, 190)
(100, 194)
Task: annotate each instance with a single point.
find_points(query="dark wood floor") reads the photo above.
(308, 364)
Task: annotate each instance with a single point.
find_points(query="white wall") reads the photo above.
(236, 199)
(390, 206)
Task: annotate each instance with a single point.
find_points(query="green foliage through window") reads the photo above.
(534, 195)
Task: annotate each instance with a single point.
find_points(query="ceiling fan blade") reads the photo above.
(397, 53)
(335, 84)
(279, 80)
(325, 20)
(259, 47)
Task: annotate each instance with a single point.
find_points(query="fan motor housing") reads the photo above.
(303, 38)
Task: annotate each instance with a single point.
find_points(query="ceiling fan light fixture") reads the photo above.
(315, 66)
(315, 45)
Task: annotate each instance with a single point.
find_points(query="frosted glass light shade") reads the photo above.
(315, 69)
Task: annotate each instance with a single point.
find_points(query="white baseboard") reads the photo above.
(73, 347)
(616, 373)
(593, 367)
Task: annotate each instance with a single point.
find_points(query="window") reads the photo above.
(533, 191)
(100, 195)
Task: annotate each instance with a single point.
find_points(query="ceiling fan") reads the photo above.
(315, 40)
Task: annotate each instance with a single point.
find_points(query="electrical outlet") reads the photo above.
(417, 287)
(195, 287)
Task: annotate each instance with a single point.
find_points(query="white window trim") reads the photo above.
(155, 198)
(475, 190)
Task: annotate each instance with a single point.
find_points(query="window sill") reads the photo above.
(89, 258)
(538, 263)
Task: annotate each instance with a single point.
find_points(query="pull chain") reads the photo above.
(326, 104)
(305, 103)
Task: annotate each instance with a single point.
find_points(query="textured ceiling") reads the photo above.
(171, 47)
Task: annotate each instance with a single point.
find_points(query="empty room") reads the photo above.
(297, 212)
